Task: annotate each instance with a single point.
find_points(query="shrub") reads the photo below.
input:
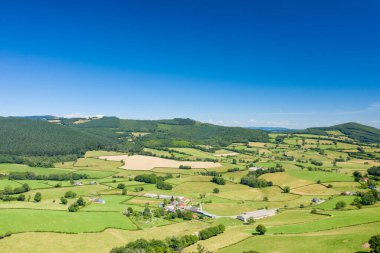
(70, 195)
(340, 205)
(121, 186)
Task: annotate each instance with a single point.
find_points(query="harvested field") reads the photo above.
(141, 162)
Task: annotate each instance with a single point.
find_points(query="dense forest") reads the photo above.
(37, 142)
(33, 141)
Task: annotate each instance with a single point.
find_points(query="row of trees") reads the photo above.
(54, 177)
(153, 179)
(218, 180)
(77, 205)
(171, 244)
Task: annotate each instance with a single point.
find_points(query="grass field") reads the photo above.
(24, 220)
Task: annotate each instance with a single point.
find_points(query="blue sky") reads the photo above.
(249, 63)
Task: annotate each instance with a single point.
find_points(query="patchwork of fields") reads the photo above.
(308, 179)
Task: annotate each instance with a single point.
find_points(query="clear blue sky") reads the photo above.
(251, 63)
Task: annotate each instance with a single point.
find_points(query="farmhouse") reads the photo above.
(78, 183)
(259, 214)
(317, 200)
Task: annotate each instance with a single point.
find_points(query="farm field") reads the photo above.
(130, 196)
(139, 162)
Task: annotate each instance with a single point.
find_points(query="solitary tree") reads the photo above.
(37, 197)
(216, 190)
(121, 186)
(261, 229)
(286, 189)
(63, 201)
(340, 205)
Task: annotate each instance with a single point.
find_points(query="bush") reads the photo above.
(216, 190)
(70, 195)
(340, 205)
(121, 186)
(250, 220)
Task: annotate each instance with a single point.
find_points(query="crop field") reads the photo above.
(139, 162)
(306, 186)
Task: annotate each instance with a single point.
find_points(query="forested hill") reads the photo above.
(356, 131)
(177, 132)
(165, 133)
(27, 137)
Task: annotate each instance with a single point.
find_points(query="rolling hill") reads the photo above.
(356, 131)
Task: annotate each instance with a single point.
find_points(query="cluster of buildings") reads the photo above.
(175, 202)
(182, 203)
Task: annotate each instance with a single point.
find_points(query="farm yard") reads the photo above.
(107, 198)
